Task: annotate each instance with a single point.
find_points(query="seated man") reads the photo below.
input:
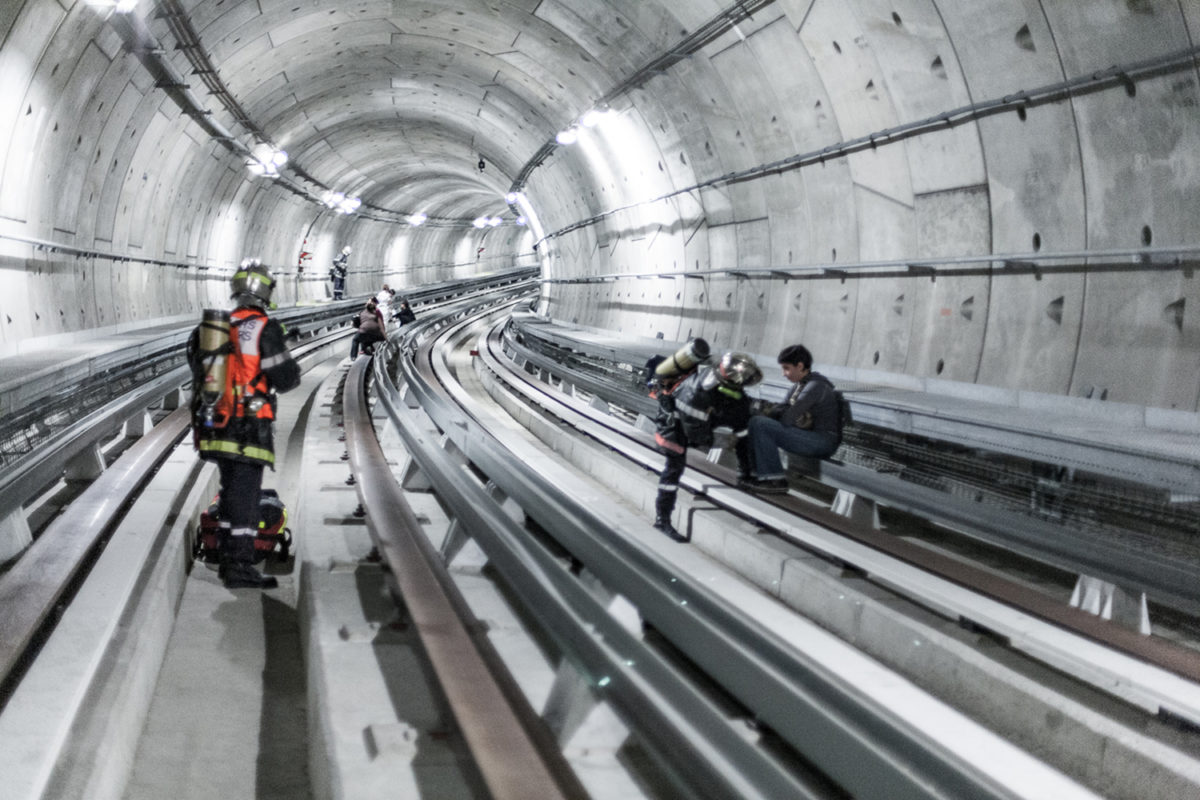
(805, 423)
(371, 328)
(405, 314)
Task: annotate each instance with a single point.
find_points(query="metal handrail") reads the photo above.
(1142, 259)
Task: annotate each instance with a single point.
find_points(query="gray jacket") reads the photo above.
(811, 404)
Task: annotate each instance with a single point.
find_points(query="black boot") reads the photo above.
(237, 566)
(664, 504)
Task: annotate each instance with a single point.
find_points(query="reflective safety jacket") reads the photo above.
(259, 366)
(690, 410)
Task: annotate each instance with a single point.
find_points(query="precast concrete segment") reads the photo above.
(1073, 172)
(364, 673)
(939, 656)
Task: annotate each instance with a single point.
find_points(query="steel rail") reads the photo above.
(1157, 653)
(1166, 580)
(693, 742)
(511, 763)
(42, 575)
(860, 746)
(30, 474)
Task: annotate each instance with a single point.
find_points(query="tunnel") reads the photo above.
(988, 204)
(999, 194)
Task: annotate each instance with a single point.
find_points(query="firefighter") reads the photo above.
(234, 424)
(689, 408)
(337, 272)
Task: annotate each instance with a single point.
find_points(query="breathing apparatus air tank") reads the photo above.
(215, 348)
(683, 359)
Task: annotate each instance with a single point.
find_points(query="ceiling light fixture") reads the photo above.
(340, 202)
(266, 160)
(120, 6)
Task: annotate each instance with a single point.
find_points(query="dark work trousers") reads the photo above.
(241, 483)
(668, 483)
(364, 340)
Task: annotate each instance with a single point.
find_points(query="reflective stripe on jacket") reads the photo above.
(260, 362)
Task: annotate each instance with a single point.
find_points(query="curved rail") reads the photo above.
(692, 742)
(43, 574)
(864, 748)
(511, 764)
(1130, 679)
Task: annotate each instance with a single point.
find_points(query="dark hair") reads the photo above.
(371, 305)
(795, 354)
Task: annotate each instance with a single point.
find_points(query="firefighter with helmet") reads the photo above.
(233, 411)
(690, 406)
(337, 273)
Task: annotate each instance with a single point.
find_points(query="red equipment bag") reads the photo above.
(273, 534)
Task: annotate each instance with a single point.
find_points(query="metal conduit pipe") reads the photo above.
(1122, 75)
(1147, 259)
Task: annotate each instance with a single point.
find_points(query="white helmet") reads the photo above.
(735, 370)
(346, 250)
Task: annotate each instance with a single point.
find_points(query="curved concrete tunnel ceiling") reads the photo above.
(1000, 192)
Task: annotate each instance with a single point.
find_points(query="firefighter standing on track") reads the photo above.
(236, 375)
(692, 401)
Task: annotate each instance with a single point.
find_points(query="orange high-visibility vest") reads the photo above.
(245, 378)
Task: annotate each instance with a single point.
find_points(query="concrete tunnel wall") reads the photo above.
(397, 102)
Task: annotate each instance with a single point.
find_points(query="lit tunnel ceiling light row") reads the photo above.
(263, 159)
(120, 6)
(266, 160)
(340, 202)
(591, 119)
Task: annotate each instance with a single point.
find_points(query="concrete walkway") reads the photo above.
(228, 719)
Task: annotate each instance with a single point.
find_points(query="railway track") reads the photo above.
(725, 691)
(1154, 674)
(848, 732)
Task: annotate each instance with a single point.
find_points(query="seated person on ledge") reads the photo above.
(806, 423)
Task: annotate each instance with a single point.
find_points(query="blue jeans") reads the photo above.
(768, 435)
